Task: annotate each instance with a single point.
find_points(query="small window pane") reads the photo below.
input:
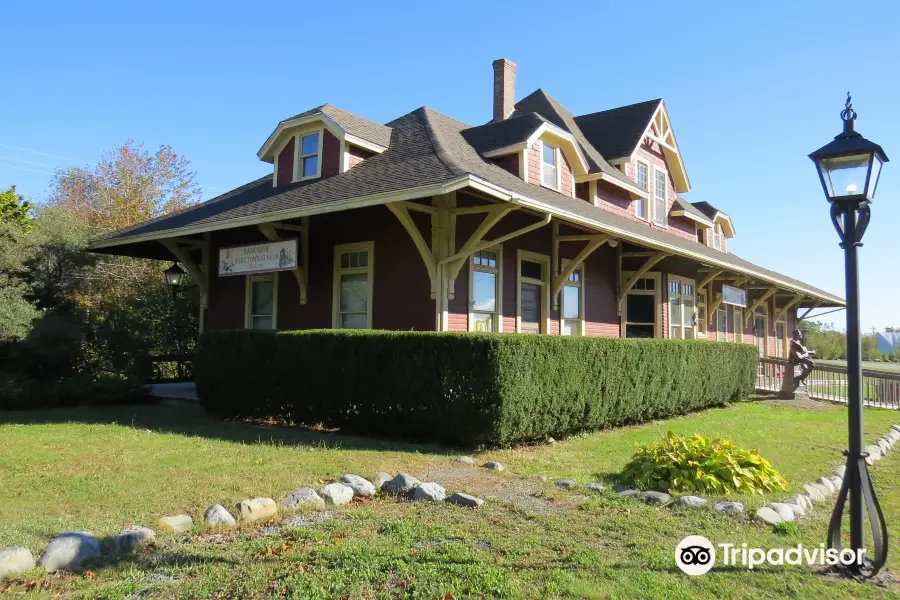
(549, 155)
(309, 144)
(532, 270)
(354, 292)
(675, 287)
(353, 321)
(650, 284)
(688, 290)
(571, 327)
(310, 166)
(484, 291)
(571, 302)
(261, 323)
(483, 322)
(345, 260)
(263, 297)
(675, 310)
(642, 179)
(548, 175)
(363, 259)
(639, 331)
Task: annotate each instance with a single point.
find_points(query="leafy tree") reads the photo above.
(15, 210)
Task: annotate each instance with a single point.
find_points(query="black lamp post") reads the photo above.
(849, 168)
(174, 278)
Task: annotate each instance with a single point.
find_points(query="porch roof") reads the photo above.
(428, 155)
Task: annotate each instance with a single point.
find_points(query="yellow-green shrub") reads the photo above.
(697, 464)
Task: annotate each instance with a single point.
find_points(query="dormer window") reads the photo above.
(643, 181)
(717, 236)
(308, 161)
(660, 206)
(549, 169)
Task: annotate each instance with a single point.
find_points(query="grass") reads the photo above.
(100, 470)
(867, 364)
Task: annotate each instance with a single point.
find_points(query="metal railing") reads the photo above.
(829, 382)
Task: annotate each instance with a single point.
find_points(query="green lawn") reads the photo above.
(867, 364)
(100, 470)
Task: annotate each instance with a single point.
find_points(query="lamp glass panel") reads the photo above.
(873, 178)
(845, 175)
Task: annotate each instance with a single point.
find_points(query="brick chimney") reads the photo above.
(504, 88)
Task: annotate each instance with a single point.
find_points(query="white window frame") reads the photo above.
(657, 314)
(717, 236)
(524, 255)
(579, 270)
(248, 298)
(657, 220)
(556, 157)
(498, 312)
(702, 324)
(369, 269)
(784, 339)
(688, 321)
(737, 315)
(722, 332)
(642, 202)
(298, 156)
(762, 311)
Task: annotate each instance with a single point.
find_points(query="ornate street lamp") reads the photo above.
(849, 168)
(174, 278)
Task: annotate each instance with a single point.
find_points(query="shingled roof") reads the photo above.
(500, 134)
(352, 124)
(615, 133)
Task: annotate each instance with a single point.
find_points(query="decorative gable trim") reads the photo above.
(659, 129)
(266, 153)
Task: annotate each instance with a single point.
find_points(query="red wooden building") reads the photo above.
(537, 221)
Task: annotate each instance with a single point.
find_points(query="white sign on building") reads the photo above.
(733, 295)
(258, 258)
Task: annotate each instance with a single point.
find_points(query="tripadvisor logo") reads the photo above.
(696, 555)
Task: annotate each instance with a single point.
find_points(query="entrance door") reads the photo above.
(530, 307)
(760, 326)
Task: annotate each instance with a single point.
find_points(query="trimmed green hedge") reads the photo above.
(474, 389)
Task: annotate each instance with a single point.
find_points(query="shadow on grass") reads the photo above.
(197, 423)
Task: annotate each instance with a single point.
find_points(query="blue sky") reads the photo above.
(752, 88)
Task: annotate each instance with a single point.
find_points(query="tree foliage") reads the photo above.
(15, 210)
(831, 344)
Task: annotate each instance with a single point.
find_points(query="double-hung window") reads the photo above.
(261, 301)
(353, 286)
(717, 236)
(549, 166)
(701, 314)
(640, 308)
(681, 308)
(308, 160)
(738, 324)
(573, 304)
(660, 205)
(485, 291)
(722, 324)
(643, 181)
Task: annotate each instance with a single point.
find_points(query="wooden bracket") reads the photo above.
(758, 302)
(649, 264)
(708, 279)
(560, 280)
(269, 230)
(808, 310)
(713, 308)
(401, 211)
(475, 241)
(783, 311)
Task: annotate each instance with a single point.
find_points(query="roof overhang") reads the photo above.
(471, 181)
(680, 212)
(633, 190)
(276, 139)
(555, 135)
(727, 225)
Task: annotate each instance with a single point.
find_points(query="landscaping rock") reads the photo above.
(768, 516)
(381, 478)
(542, 477)
(840, 471)
(429, 491)
(729, 506)
(566, 483)
(131, 538)
(494, 466)
(800, 499)
(303, 498)
(464, 500)
(893, 435)
(595, 487)
(814, 493)
(826, 484)
(15, 560)
(691, 501)
(883, 445)
(652, 497)
(836, 481)
(896, 428)
(401, 485)
(218, 515)
(362, 488)
(784, 511)
(627, 492)
(466, 460)
(68, 550)
(550, 440)
(874, 451)
(336, 493)
(177, 523)
(799, 511)
(257, 509)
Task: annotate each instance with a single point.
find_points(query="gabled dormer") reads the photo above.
(321, 142)
(717, 228)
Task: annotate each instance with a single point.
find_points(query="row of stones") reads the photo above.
(795, 506)
(74, 547)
